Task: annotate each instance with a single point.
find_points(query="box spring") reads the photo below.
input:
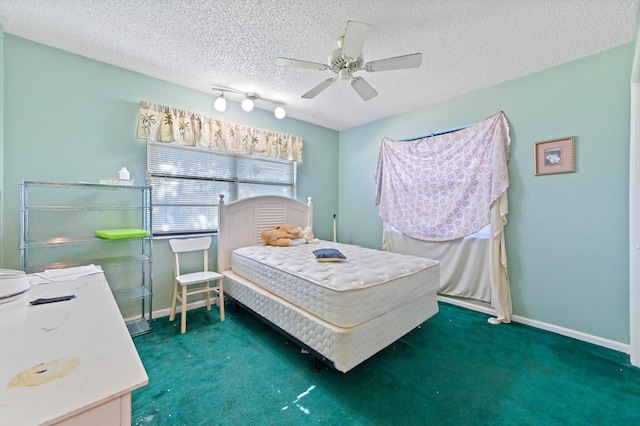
(344, 347)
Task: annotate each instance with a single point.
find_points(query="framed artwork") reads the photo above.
(555, 156)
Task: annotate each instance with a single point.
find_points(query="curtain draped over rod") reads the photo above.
(443, 188)
(161, 123)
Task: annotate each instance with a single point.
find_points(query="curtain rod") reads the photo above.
(438, 133)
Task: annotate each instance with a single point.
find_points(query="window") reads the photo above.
(187, 181)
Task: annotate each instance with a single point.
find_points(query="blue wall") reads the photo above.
(567, 236)
(1, 138)
(69, 118)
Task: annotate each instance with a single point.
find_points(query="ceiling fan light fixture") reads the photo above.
(348, 59)
(279, 112)
(220, 104)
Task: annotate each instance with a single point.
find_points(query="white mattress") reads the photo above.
(345, 347)
(367, 285)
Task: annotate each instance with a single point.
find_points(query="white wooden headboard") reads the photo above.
(241, 222)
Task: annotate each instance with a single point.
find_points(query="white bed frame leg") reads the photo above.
(335, 240)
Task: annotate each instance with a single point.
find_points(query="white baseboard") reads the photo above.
(610, 344)
(193, 305)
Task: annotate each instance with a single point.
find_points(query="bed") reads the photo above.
(341, 312)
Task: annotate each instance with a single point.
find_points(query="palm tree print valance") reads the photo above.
(165, 124)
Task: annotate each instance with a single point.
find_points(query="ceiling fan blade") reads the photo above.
(355, 34)
(295, 63)
(398, 63)
(363, 88)
(319, 88)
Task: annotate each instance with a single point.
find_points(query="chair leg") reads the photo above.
(172, 315)
(183, 314)
(208, 297)
(221, 300)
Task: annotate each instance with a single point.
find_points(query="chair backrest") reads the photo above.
(184, 245)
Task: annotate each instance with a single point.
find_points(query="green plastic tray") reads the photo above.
(116, 234)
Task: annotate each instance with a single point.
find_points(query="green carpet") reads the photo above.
(456, 369)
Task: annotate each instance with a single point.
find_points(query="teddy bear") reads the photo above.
(281, 235)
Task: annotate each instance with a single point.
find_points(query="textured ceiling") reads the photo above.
(465, 44)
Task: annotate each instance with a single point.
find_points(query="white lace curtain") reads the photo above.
(161, 123)
(440, 188)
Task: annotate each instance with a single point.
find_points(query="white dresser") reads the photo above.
(80, 349)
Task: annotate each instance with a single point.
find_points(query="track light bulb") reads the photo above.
(247, 105)
(279, 112)
(220, 104)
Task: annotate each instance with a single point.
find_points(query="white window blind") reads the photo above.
(187, 182)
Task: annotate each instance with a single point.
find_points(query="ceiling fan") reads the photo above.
(348, 59)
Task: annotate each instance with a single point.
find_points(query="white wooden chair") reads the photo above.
(201, 278)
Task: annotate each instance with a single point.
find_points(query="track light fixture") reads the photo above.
(279, 112)
(248, 103)
(220, 104)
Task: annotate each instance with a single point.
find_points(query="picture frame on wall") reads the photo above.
(555, 156)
